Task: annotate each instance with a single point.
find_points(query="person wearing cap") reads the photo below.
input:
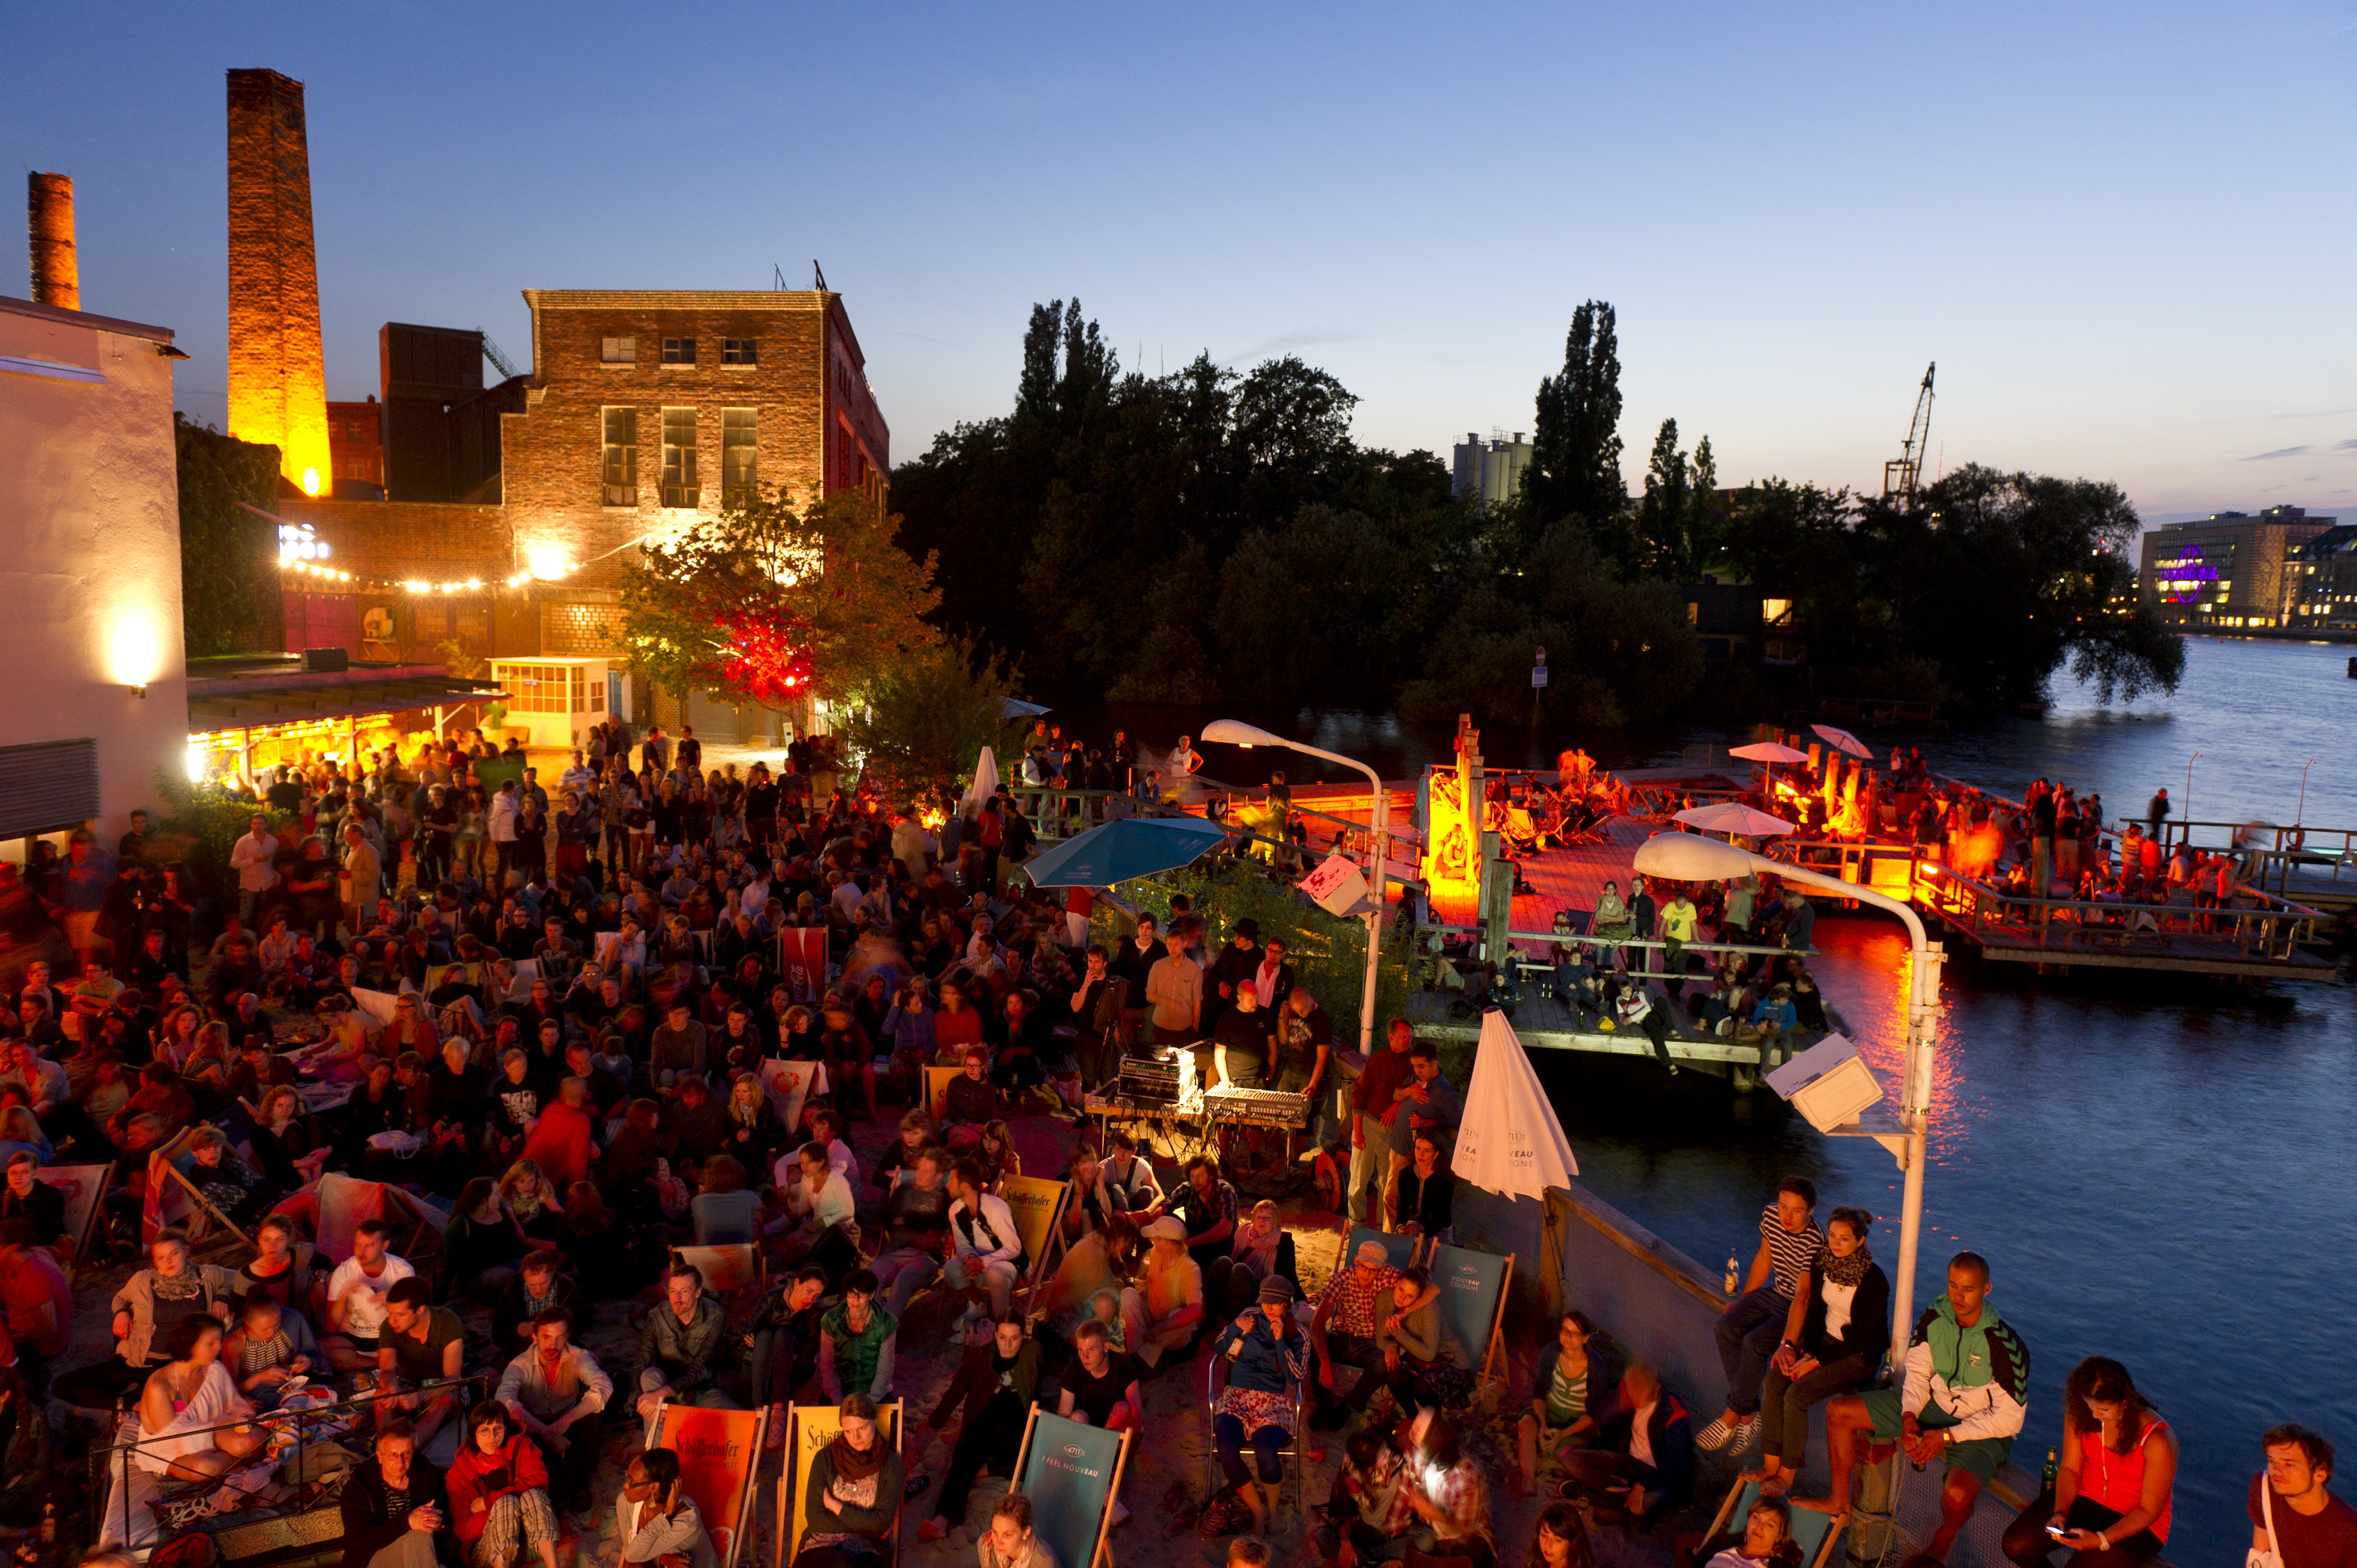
(1350, 1312)
(1172, 1284)
(1268, 1358)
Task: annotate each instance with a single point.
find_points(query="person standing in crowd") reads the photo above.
(2112, 1498)
(2293, 1512)
(1962, 1400)
(1381, 1089)
(1753, 1324)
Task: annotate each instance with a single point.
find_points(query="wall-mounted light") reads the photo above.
(311, 482)
(135, 653)
(547, 561)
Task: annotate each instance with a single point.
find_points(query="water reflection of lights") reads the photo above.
(1864, 981)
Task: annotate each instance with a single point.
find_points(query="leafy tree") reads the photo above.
(927, 714)
(1678, 531)
(1575, 470)
(229, 556)
(764, 596)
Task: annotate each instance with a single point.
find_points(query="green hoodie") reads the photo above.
(856, 1355)
(1978, 1375)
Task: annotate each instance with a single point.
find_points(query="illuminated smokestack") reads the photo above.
(49, 212)
(278, 384)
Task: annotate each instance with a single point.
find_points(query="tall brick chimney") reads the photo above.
(49, 212)
(277, 383)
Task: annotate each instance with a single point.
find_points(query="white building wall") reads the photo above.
(90, 552)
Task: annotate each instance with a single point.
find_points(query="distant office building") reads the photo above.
(356, 449)
(2232, 571)
(1491, 470)
(2322, 579)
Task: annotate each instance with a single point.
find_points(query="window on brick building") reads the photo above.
(679, 485)
(679, 351)
(740, 351)
(621, 457)
(619, 351)
(740, 430)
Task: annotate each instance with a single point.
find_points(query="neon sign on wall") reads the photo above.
(2185, 577)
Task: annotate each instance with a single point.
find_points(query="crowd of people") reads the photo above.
(549, 1018)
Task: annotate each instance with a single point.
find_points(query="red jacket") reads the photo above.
(477, 1477)
(559, 1145)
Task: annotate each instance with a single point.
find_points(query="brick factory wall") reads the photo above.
(553, 453)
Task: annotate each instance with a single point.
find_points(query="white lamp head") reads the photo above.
(1232, 732)
(1690, 857)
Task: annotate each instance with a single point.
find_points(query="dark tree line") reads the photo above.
(1210, 533)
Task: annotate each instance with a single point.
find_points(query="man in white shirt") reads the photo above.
(250, 858)
(577, 777)
(356, 1294)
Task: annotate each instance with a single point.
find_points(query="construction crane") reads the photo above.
(491, 352)
(1901, 475)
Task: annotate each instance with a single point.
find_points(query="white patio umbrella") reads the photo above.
(1842, 740)
(1771, 753)
(1510, 1142)
(1729, 817)
(984, 785)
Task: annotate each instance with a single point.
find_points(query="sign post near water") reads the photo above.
(1690, 857)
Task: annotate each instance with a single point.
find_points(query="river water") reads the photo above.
(2158, 1169)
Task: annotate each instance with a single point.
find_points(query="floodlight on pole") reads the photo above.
(1690, 857)
(1232, 732)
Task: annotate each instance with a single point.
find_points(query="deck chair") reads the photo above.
(1039, 1205)
(937, 1093)
(1402, 1251)
(1473, 1304)
(719, 1451)
(810, 1428)
(1813, 1532)
(727, 1270)
(83, 1187)
(1215, 1376)
(1071, 1472)
(172, 1196)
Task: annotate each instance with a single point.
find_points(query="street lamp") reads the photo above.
(2302, 815)
(1229, 732)
(1689, 857)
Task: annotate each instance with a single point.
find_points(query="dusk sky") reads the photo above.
(2122, 230)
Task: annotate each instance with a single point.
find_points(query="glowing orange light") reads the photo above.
(311, 481)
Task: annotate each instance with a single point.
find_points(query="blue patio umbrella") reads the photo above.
(1133, 846)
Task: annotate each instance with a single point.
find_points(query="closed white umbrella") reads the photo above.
(1510, 1142)
(1729, 817)
(984, 785)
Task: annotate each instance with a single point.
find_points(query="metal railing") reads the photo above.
(2273, 932)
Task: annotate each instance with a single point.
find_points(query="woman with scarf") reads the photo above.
(1262, 1247)
(1834, 1336)
(854, 1494)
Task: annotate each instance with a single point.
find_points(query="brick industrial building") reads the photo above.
(492, 523)
(642, 412)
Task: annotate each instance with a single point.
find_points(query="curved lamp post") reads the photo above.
(1229, 732)
(1688, 857)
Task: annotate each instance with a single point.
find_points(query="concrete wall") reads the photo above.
(90, 552)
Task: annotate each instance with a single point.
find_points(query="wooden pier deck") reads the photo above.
(1543, 1023)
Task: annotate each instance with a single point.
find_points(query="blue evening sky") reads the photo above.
(2121, 230)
